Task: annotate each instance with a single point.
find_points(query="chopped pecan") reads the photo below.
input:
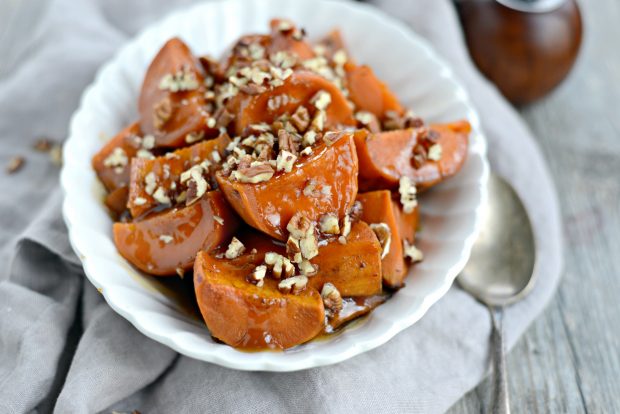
(257, 276)
(299, 225)
(235, 249)
(307, 269)
(384, 234)
(368, 120)
(286, 142)
(15, 164)
(411, 252)
(331, 298)
(301, 118)
(280, 265)
(293, 251)
(294, 285)
(256, 173)
(329, 224)
(408, 194)
(285, 161)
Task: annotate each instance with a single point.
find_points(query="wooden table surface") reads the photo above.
(569, 359)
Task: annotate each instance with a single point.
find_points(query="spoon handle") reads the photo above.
(501, 404)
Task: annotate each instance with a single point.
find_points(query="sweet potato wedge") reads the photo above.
(297, 90)
(246, 316)
(407, 222)
(284, 37)
(165, 242)
(368, 93)
(116, 201)
(170, 113)
(167, 170)
(112, 162)
(378, 208)
(387, 156)
(332, 43)
(268, 206)
(355, 267)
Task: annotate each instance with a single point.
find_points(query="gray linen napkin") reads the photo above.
(63, 349)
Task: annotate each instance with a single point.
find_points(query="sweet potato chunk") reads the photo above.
(171, 102)
(285, 36)
(246, 316)
(378, 208)
(298, 90)
(355, 267)
(407, 222)
(325, 181)
(332, 43)
(167, 241)
(116, 201)
(167, 170)
(387, 156)
(368, 93)
(113, 160)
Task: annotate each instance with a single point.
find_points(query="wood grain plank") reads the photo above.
(569, 360)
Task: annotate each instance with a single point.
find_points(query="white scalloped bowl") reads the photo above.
(450, 213)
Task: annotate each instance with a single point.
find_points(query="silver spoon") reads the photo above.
(500, 270)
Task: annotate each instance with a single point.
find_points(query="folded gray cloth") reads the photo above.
(63, 349)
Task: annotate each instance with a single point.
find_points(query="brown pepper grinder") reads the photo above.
(525, 47)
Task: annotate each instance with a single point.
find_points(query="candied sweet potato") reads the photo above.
(167, 170)
(323, 182)
(116, 201)
(171, 111)
(244, 315)
(112, 162)
(332, 43)
(377, 207)
(368, 93)
(164, 242)
(285, 36)
(297, 90)
(407, 222)
(355, 267)
(385, 157)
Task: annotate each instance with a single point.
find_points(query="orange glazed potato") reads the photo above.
(368, 93)
(332, 43)
(172, 102)
(112, 162)
(167, 170)
(244, 315)
(407, 222)
(166, 243)
(116, 201)
(377, 207)
(323, 182)
(298, 90)
(385, 157)
(355, 267)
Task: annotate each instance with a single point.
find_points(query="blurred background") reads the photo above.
(561, 69)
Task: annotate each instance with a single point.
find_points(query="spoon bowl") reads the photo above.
(500, 270)
(501, 266)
